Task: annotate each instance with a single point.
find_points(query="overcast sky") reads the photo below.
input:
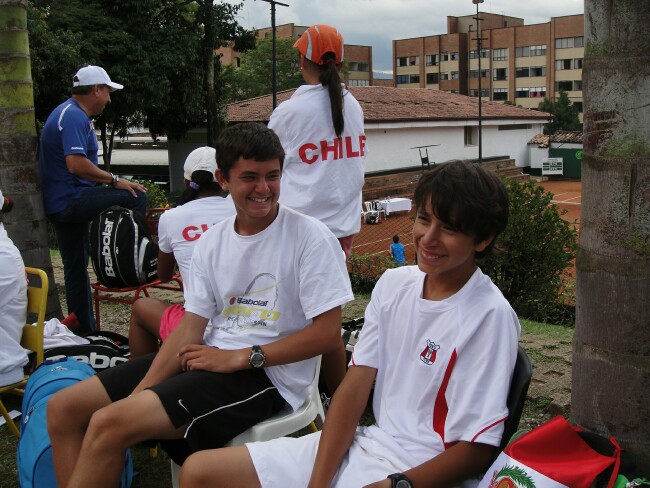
(378, 22)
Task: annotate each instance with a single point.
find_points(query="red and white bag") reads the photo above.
(551, 456)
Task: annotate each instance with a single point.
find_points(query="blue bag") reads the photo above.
(35, 468)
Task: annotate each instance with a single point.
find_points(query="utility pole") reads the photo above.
(273, 61)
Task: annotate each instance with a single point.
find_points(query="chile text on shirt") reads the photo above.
(339, 148)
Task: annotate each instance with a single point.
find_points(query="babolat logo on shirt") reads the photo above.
(106, 248)
(246, 312)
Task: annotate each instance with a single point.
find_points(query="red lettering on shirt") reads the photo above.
(325, 149)
(191, 232)
(303, 153)
(332, 150)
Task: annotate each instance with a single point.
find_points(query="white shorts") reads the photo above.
(289, 461)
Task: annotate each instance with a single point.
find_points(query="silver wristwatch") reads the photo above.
(257, 359)
(115, 179)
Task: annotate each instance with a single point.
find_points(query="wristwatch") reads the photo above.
(257, 359)
(400, 480)
(115, 179)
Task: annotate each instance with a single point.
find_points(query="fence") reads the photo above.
(375, 239)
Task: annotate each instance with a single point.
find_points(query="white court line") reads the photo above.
(565, 202)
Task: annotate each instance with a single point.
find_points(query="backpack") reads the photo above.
(121, 249)
(106, 349)
(34, 454)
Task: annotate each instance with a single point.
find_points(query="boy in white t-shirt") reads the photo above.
(439, 340)
(273, 309)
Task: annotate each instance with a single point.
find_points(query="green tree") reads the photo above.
(18, 162)
(564, 114)
(611, 346)
(156, 48)
(537, 248)
(254, 77)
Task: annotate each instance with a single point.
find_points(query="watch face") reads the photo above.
(257, 359)
(403, 484)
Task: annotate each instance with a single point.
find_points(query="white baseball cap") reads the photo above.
(203, 158)
(94, 75)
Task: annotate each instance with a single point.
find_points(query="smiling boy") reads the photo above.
(272, 282)
(439, 342)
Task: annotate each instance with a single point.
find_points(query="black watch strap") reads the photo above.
(400, 480)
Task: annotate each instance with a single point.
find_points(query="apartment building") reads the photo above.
(357, 70)
(518, 63)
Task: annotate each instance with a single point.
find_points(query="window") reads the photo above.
(359, 66)
(522, 72)
(514, 127)
(569, 42)
(473, 73)
(577, 63)
(238, 62)
(538, 71)
(500, 94)
(473, 54)
(538, 92)
(500, 74)
(359, 83)
(538, 50)
(577, 85)
(469, 136)
(578, 105)
(500, 54)
(455, 56)
(454, 75)
(485, 53)
(407, 79)
(474, 93)
(414, 60)
(432, 59)
(522, 92)
(522, 51)
(563, 86)
(444, 56)
(561, 64)
(432, 78)
(485, 73)
(444, 76)
(403, 61)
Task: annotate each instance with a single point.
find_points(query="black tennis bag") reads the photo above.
(121, 249)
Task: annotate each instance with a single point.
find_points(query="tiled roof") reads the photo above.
(388, 104)
(566, 136)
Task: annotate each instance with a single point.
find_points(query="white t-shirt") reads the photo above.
(13, 311)
(180, 228)
(447, 363)
(443, 375)
(322, 175)
(261, 288)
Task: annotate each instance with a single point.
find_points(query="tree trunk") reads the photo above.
(611, 350)
(26, 224)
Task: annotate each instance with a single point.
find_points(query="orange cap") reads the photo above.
(318, 40)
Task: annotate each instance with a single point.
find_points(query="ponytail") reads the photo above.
(329, 77)
(202, 181)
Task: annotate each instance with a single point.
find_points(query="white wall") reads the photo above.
(390, 144)
(537, 154)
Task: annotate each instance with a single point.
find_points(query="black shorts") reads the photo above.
(215, 406)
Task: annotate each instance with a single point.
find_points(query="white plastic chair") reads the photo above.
(283, 423)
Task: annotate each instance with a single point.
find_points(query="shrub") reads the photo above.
(366, 269)
(156, 197)
(537, 248)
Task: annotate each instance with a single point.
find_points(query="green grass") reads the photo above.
(559, 332)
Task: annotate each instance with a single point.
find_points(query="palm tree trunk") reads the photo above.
(26, 224)
(611, 350)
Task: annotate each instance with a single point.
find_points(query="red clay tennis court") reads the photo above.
(377, 238)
